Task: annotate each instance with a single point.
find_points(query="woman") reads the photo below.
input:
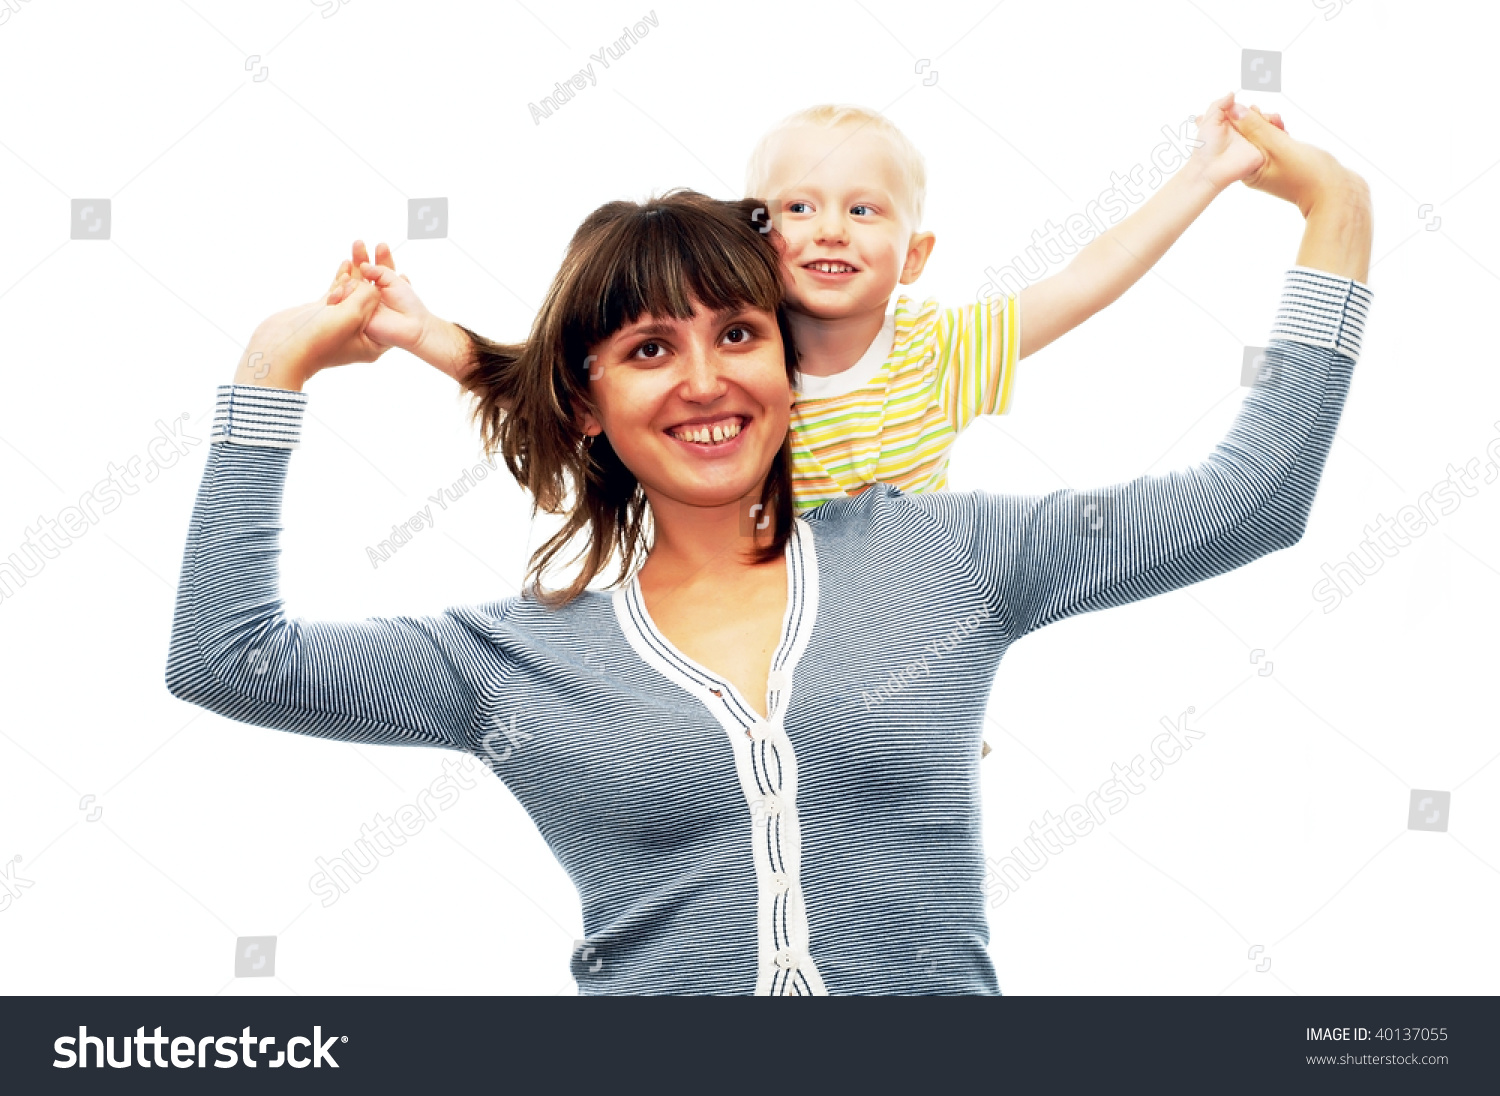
(756, 758)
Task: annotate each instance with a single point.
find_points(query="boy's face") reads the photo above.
(838, 199)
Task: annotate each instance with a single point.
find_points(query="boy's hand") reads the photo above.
(401, 319)
(1225, 156)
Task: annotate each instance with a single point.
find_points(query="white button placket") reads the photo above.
(765, 763)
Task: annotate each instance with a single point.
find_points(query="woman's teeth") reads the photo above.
(704, 435)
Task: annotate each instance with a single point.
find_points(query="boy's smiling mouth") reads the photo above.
(830, 266)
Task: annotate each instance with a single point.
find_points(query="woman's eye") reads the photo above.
(648, 350)
(737, 335)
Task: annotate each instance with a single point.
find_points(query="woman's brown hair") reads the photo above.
(664, 257)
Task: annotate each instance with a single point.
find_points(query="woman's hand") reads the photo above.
(1335, 201)
(292, 345)
(1293, 171)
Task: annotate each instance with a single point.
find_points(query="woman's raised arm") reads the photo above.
(397, 680)
(1040, 559)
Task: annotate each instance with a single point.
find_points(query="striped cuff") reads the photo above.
(1323, 309)
(249, 414)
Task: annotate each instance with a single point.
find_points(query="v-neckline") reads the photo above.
(716, 691)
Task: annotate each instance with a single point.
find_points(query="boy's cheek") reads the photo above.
(789, 279)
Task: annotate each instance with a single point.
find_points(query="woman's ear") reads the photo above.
(587, 423)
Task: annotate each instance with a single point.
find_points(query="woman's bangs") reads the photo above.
(659, 263)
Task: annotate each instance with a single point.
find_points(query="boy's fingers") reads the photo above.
(1254, 125)
(382, 276)
(361, 256)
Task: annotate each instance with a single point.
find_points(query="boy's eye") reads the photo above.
(861, 210)
(796, 207)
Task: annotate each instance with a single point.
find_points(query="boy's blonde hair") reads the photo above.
(830, 115)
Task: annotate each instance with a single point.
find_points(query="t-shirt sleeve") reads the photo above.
(400, 680)
(978, 346)
(1039, 559)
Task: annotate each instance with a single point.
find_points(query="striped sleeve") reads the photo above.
(978, 346)
(1042, 558)
(394, 680)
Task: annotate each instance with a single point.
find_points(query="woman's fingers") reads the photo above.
(344, 271)
(383, 256)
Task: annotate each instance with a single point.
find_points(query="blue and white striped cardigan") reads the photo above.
(836, 846)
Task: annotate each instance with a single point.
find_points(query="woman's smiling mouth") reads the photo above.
(710, 433)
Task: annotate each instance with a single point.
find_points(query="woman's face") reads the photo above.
(697, 409)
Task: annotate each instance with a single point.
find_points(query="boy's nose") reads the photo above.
(830, 229)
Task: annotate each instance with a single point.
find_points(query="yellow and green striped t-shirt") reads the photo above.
(893, 416)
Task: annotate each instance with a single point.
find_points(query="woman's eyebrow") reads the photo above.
(646, 327)
(663, 327)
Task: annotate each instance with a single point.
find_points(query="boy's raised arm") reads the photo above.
(1116, 260)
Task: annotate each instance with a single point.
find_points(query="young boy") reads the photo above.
(882, 396)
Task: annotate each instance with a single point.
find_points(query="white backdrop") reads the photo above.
(242, 147)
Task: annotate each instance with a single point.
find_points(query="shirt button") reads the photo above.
(787, 959)
(781, 882)
(769, 805)
(778, 680)
(760, 731)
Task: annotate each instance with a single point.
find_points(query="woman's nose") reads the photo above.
(703, 379)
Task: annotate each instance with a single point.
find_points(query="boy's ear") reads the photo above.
(917, 254)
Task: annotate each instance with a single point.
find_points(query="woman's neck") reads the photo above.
(692, 542)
